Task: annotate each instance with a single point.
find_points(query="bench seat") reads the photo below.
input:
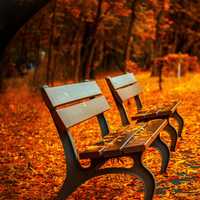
(125, 143)
(156, 112)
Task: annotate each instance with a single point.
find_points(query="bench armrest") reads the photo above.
(142, 116)
(163, 112)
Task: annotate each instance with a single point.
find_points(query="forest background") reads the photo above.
(75, 40)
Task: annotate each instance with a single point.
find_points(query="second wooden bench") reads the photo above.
(125, 87)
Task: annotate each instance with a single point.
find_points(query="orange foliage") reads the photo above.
(32, 159)
(132, 66)
(172, 61)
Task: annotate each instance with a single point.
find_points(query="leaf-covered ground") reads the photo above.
(32, 162)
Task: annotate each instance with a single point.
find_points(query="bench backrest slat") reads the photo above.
(123, 80)
(60, 95)
(80, 112)
(129, 91)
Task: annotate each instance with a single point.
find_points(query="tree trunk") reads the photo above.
(129, 35)
(54, 69)
(51, 40)
(38, 56)
(88, 42)
(157, 42)
(90, 65)
(78, 60)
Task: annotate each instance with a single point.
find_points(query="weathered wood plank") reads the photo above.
(80, 112)
(174, 106)
(129, 91)
(128, 142)
(68, 93)
(122, 80)
(114, 148)
(111, 145)
(146, 137)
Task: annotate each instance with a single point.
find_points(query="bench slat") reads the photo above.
(80, 112)
(123, 80)
(107, 149)
(127, 143)
(116, 145)
(174, 106)
(60, 95)
(129, 91)
(146, 138)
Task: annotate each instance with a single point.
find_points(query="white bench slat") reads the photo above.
(75, 114)
(129, 91)
(123, 80)
(60, 95)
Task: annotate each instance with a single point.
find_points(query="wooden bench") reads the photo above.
(72, 104)
(124, 87)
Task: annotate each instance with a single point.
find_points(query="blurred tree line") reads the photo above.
(76, 38)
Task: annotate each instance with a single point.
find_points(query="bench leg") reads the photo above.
(76, 177)
(164, 151)
(75, 173)
(180, 121)
(138, 170)
(173, 135)
(67, 188)
(143, 173)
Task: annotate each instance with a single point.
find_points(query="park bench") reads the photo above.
(125, 87)
(72, 104)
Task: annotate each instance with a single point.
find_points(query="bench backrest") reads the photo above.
(74, 103)
(124, 87)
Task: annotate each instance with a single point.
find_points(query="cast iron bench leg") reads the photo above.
(143, 173)
(164, 151)
(67, 188)
(173, 135)
(138, 170)
(78, 176)
(180, 121)
(75, 174)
